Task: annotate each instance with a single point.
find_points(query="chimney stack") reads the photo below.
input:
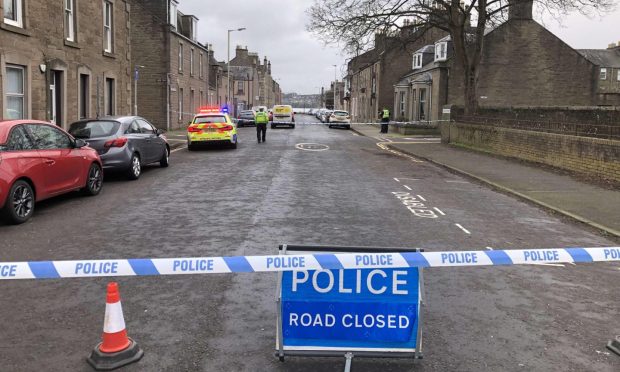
(520, 9)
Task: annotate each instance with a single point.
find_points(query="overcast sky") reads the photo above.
(302, 64)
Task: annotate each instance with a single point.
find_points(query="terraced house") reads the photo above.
(64, 60)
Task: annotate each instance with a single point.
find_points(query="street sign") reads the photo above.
(368, 311)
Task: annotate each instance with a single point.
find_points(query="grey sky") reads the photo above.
(276, 28)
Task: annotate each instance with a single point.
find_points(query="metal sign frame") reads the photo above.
(281, 352)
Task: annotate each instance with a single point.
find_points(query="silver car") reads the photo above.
(124, 143)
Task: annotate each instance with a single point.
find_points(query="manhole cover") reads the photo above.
(311, 147)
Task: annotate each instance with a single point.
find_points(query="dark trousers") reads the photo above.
(261, 128)
(384, 125)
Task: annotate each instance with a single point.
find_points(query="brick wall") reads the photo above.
(580, 115)
(592, 157)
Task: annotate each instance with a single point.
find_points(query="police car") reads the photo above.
(211, 125)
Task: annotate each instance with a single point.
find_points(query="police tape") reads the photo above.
(276, 263)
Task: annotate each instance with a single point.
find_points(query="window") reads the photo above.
(18, 140)
(191, 100)
(94, 129)
(618, 74)
(441, 51)
(422, 107)
(133, 128)
(180, 104)
(402, 104)
(69, 20)
(180, 57)
(107, 27)
(110, 106)
(191, 61)
(15, 96)
(13, 13)
(194, 29)
(173, 13)
(48, 137)
(417, 60)
(240, 87)
(84, 95)
(603, 74)
(200, 64)
(145, 127)
(374, 85)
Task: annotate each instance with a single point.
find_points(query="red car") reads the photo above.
(39, 160)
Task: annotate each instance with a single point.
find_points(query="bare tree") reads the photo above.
(352, 23)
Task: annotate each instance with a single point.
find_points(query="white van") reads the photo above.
(283, 115)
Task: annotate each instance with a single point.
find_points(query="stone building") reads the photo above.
(523, 64)
(61, 61)
(173, 66)
(244, 79)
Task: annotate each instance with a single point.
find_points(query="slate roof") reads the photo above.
(602, 57)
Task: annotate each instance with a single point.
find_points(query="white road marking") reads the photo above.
(462, 228)
(312, 147)
(179, 149)
(408, 188)
(419, 196)
(452, 181)
(396, 179)
(405, 178)
(439, 211)
(355, 134)
(489, 248)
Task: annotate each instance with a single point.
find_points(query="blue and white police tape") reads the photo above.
(322, 261)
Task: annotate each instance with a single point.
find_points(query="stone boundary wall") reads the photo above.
(555, 114)
(592, 157)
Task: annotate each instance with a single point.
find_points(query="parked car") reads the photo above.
(39, 160)
(340, 119)
(325, 116)
(124, 143)
(246, 118)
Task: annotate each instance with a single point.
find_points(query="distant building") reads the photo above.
(608, 63)
(61, 61)
(174, 80)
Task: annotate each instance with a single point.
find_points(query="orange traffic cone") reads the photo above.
(117, 349)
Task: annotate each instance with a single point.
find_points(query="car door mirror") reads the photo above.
(79, 143)
(159, 132)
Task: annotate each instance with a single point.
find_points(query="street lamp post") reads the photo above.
(335, 81)
(228, 74)
(135, 89)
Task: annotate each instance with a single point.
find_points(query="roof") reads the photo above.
(426, 49)
(602, 57)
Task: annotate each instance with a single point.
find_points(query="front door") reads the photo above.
(56, 91)
(63, 164)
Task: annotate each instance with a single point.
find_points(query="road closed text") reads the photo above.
(391, 321)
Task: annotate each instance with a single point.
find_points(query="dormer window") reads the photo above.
(417, 61)
(194, 28)
(173, 13)
(441, 51)
(603, 74)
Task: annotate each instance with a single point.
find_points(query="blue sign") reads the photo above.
(363, 309)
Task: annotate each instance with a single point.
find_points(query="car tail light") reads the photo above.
(225, 128)
(117, 142)
(194, 130)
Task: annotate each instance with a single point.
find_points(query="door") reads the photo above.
(56, 97)
(64, 168)
(152, 152)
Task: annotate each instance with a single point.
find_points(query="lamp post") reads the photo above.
(228, 74)
(135, 89)
(335, 81)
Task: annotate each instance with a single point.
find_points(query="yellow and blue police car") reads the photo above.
(211, 125)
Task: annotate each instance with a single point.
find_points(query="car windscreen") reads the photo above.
(94, 129)
(341, 113)
(210, 119)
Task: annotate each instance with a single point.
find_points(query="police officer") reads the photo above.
(262, 119)
(385, 119)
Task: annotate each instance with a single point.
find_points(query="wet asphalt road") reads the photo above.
(248, 201)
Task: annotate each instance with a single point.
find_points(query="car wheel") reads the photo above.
(94, 180)
(165, 161)
(135, 168)
(19, 205)
(330, 126)
(191, 147)
(347, 127)
(273, 126)
(234, 145)
(293, 126)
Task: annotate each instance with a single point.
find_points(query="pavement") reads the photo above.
(247, 201)
(587, 203)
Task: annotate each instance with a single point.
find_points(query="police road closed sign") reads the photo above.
(351, 310)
